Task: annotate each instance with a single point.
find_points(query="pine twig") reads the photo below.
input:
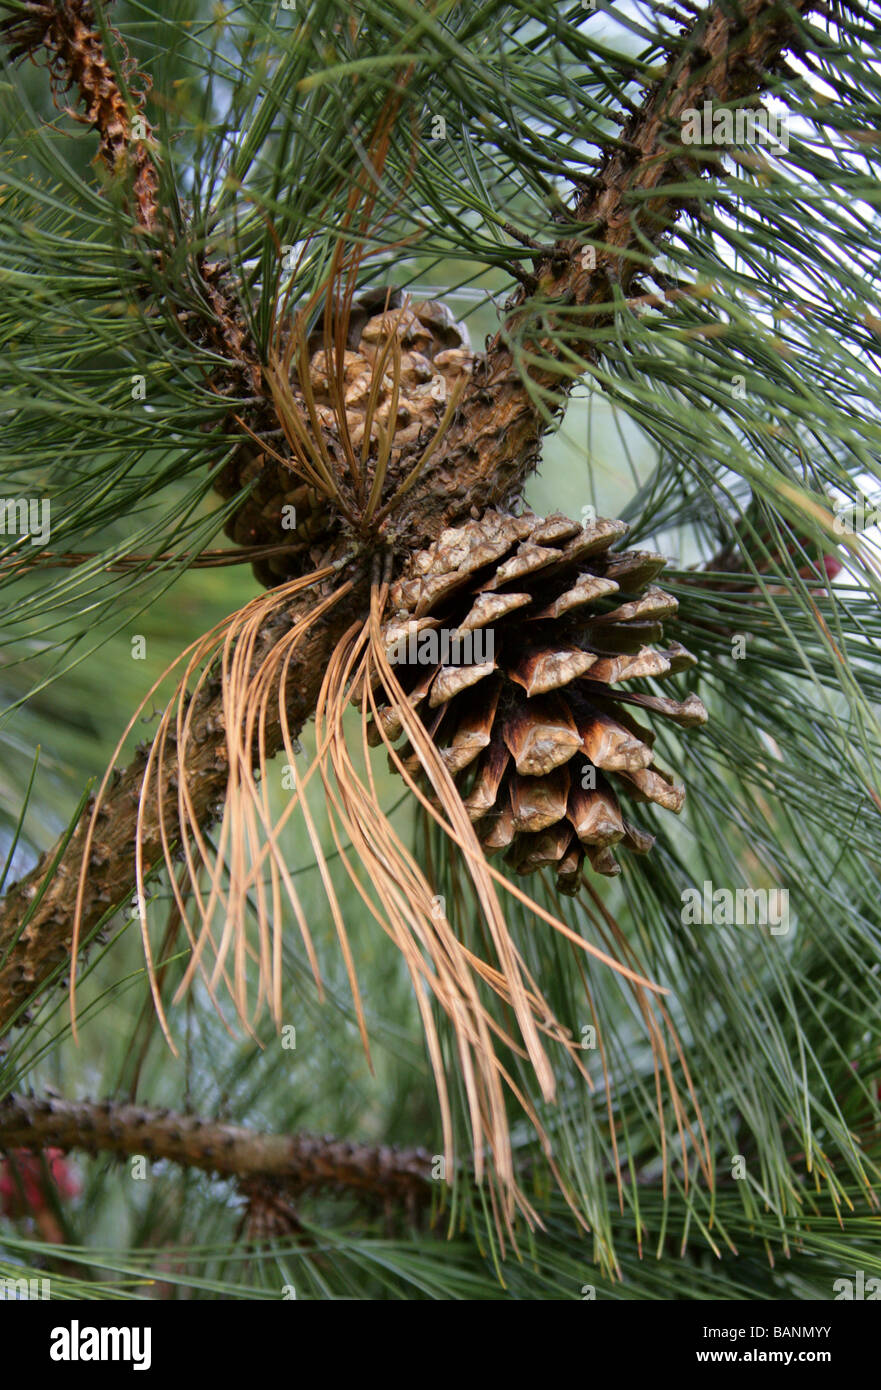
(496, 438)
(205, 559)
(66, 37)
(298, 1162)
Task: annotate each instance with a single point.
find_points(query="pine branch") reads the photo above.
(298, 1162)
(630, 204)
(490, 448)
(66, 37)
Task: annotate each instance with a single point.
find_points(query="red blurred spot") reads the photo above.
(831, 567)
(25, 1185)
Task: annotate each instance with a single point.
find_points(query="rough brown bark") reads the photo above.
(298, 1161)
(67, 36)
(495, 439)
(491, 446)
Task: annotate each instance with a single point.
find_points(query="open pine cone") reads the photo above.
(517, 639)
(435, 351)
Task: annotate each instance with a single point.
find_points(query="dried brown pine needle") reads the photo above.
(246, 867)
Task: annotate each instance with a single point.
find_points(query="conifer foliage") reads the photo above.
(334, 334)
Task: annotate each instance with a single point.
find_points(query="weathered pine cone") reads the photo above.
(519, 640)
(435, 351)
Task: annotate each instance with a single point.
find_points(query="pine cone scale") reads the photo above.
(542, 751)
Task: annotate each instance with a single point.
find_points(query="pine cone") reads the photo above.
(513, 637)
(435, 350)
